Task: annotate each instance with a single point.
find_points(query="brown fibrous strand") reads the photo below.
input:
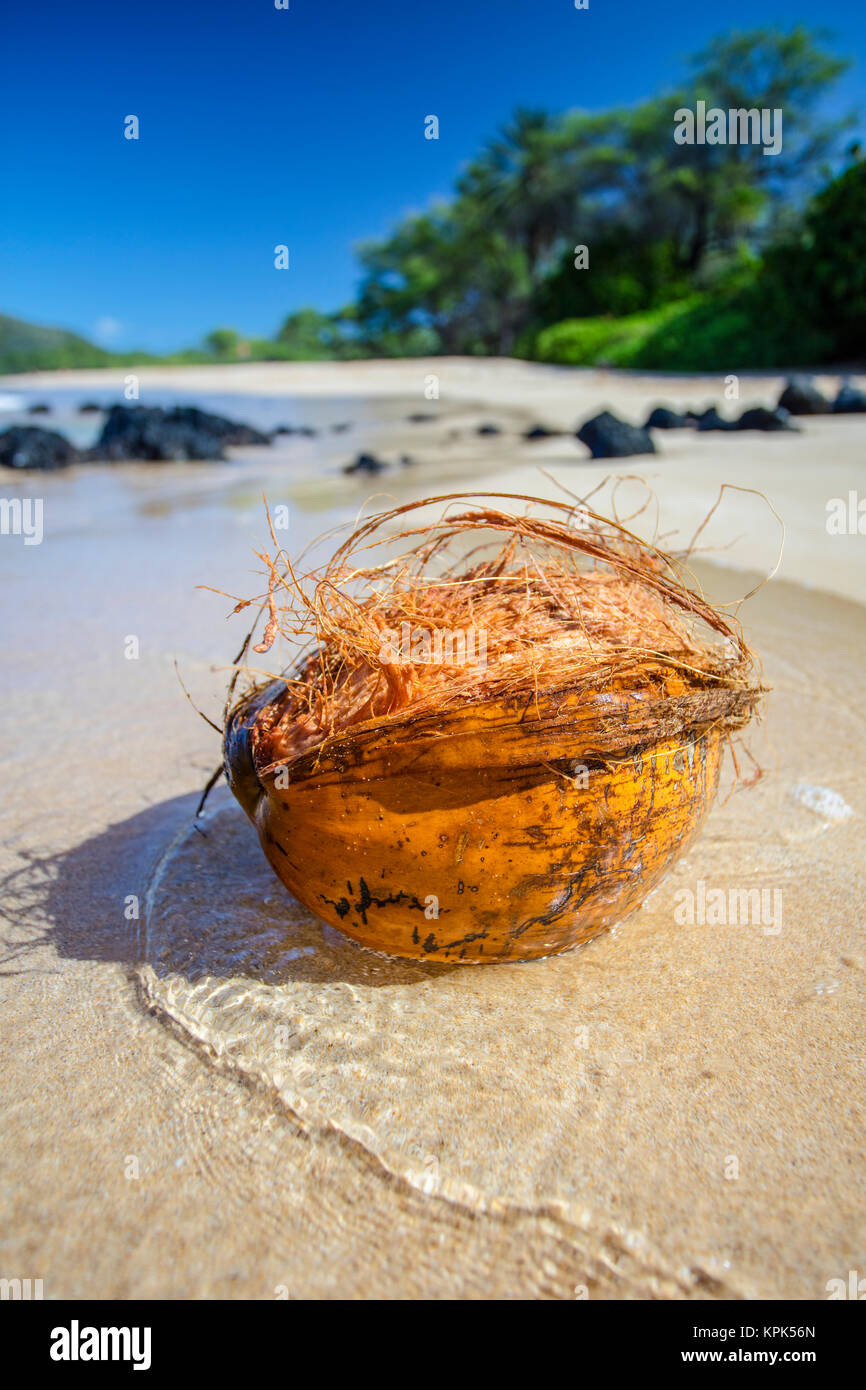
(560, 598)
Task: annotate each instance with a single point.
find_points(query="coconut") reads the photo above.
(504, 728)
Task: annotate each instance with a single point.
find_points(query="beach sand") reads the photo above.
(222, 1098)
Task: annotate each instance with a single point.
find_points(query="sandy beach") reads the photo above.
(208, 1094)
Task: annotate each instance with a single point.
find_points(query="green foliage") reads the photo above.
(310, 336)
(223, 343)
(604, 341)
(730, 330)
(626, 275)
(444, 282)
(26, 347)
(494, 268)
(816, 275)
(803, 304)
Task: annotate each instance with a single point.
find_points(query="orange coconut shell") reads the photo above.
(499, 831)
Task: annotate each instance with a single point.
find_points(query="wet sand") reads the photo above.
(222, 1098)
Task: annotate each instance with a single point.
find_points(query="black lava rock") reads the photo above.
(142, 432)
(664, 419)
(149, 432)
(850, 401)
(229, 431)
(341, 427)
(365, 463)
(89, 408)
(759, 418)
(27, 446)
(40, 408)
(406, 460)
(282, 429)
(419, 419)
(607, 437)
(712, 420)
(801, 397)
(488, 429)
(540, 432)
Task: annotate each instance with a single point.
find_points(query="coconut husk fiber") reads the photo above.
(567, 600)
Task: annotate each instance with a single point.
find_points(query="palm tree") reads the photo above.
(524, 179)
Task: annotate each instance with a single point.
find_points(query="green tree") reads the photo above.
(445, 281)
(483, 272)
(816, 274)
(309, 336)
(524, 181)
(731, 191)
(223, 343)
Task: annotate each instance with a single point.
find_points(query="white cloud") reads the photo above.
(107, 328)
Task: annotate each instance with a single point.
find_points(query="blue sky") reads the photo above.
(305, 127)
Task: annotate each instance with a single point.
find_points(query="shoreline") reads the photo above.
(801, 474)
(385, 374)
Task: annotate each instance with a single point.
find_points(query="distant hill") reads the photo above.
(29, 347)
